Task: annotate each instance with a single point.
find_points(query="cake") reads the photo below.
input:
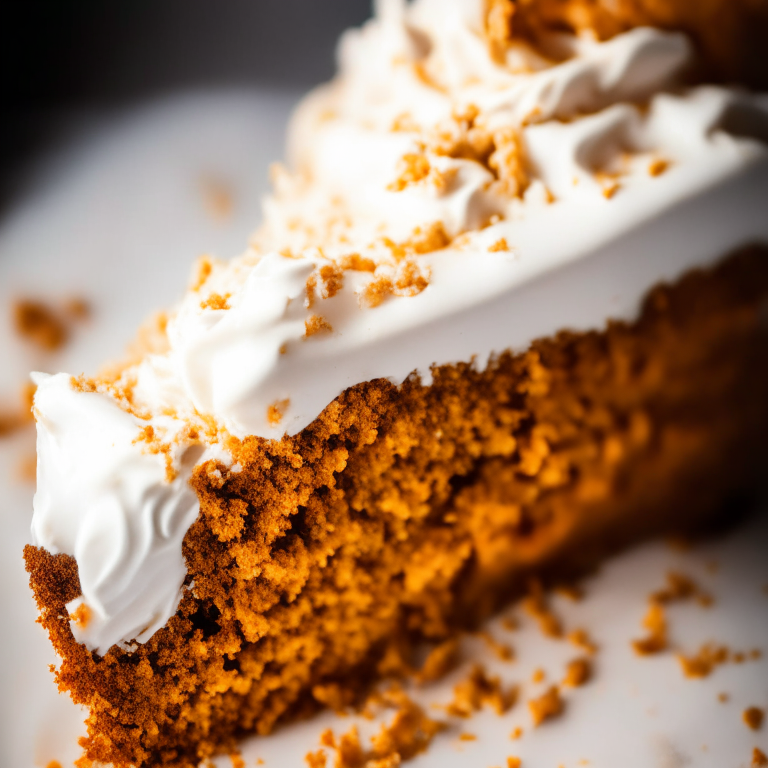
(506, 314)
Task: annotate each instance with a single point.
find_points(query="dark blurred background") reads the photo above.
(59, 57)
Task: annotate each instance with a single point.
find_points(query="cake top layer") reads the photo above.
(450, 167)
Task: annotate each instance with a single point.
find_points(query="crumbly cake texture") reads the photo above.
(730, 34)
(404, 514)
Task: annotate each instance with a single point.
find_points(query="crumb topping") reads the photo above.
(759, 758)
(276, 411)
(216, 301)
(657, 639)
(578, 672)
(40, 324)
(753, 717)
(316, 324)
(547, 706)
(479, 690)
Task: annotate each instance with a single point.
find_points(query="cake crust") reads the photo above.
(405, 514)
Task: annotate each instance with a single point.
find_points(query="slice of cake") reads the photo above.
(507, 314)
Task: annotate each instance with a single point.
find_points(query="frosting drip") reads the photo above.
(450, 198)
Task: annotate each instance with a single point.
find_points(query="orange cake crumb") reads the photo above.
(216, 301)
(316, 324)
(467, 737)
(546, 706)
(357, 263)
(38, 323)
(758, 758)
(570, 591)
(413, 169)
(577, 672)
(502, 651)
(237, 760)
(82, 616)
(516, 734)
(680, 587)
(479, 690)
(26, 468)
(753, 717)
(276, 411)
(499, 245)
(514, 762)
(376, 291)
(53, 764)
(580, 637)
(723, 698)
(537, 606)
(316, 759)
(656, 624)
(538, 675)
(701, 665)
(440, 660)
(510, 623)
(657, 166)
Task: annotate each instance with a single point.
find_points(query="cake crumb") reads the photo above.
(316, 324)
(332, 278)
(577, 672)
(501, 650)
(516, 734)
(276, 411)
(580, 638)
(376, 291)
(570, 592)
(316, 759)
(537, 606)
(546, 706)
(498, 27)
(467, 737)
(723, 698)
(328, 739)
(758, 758)
(53, 764)
(514, 762)
(357, 263)
(753, 717)
(499, 245)
(656, 624)
(704, 661)
(478, 690)
(216, 301)
(510, 623)
(39, 324)
(440, 660)
(413, 169)
(679, 587)
(81, 616)
(538, 675)
(657, 166)
(237, 760)
(410, 279)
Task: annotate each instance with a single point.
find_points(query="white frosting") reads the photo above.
(589, 234)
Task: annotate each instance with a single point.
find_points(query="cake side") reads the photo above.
(406, 513)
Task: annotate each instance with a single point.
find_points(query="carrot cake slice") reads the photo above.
(507, 312)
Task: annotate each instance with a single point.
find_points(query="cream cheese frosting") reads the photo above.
(446, 203)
